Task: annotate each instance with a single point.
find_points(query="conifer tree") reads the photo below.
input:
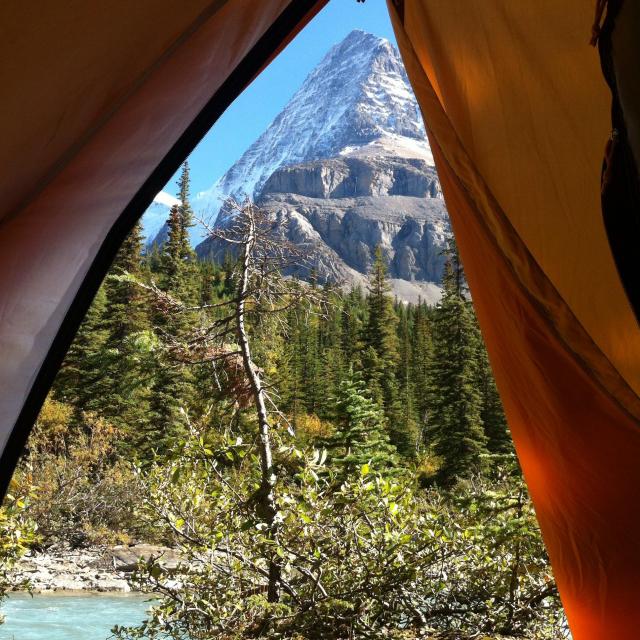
(208, 280)
(180, 277)
(83, 364)
(121, 395)
(406, 435)
(177, 263)
(291, 389)
(380, 331)
(186, 212)
(456, 430)
(171, 257)
(152, 259)
(353, 312)
(422, 356)
(126, 307)
(492, 413)
(228, 264)
(331, 362)
(360, 437)
(101, 373)
(382, 351)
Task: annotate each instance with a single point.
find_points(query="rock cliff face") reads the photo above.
(340, 209)
(358, 93)
(347, 166)
(352, 177)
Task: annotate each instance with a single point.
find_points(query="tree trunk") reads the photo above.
(266, 506)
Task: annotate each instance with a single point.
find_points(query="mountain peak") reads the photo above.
(357, 94)
(357, 37)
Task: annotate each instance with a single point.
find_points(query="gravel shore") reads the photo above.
(98, 569)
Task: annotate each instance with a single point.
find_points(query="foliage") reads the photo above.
(17, 533)
(425, 368)
(79, 492)
(360, 437)
(388, 516)
(455, 428)
(309, 428)
(382, 353)
(369, 557)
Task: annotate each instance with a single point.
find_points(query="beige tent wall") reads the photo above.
(95, 96)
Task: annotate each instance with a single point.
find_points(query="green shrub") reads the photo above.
(367, 557)
(17, 534)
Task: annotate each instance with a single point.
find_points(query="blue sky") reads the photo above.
(254, 110)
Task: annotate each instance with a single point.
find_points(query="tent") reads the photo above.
(103, 100)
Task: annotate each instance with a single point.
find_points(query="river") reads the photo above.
(68, 617)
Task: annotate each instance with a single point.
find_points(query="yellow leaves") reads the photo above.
(54, 416)
(52, 426)
(310, 427)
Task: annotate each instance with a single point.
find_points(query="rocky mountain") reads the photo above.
(154, 218)
(338, 210)
(347, 166)
(358, 93)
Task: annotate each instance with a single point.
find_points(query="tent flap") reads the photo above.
(121, 114)
(518, 115)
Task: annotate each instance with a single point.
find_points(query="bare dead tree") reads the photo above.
(263, 255)
(258, 241)
(247, 234)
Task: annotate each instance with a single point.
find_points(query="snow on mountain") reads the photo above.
(347, 163)
(166, 199)
(358, 99)
(156, 215)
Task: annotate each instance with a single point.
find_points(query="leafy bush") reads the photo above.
(80, 493)
(17, 534)
(371, 556)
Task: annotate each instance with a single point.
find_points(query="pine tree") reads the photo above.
(83, 364)
(353, 313)
(102, 372)
(456, 430)
(406, 436)
(228, 265)
(186, 212)
(382, 352)
(170, 266)
(121, 395)
(173, 386)
(360, 437)
(492, 413)
(331, 361)
(126, 306)
(177, 263)
(380, 331)
(422, 356)
(311, 357)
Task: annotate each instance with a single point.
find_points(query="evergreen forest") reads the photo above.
(329, 463)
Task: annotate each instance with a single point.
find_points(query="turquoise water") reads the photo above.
(68, 617)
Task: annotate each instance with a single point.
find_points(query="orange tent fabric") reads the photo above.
(101, 102)
(517, 114)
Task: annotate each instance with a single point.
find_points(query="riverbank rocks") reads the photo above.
(125, 558)
(102, 569)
